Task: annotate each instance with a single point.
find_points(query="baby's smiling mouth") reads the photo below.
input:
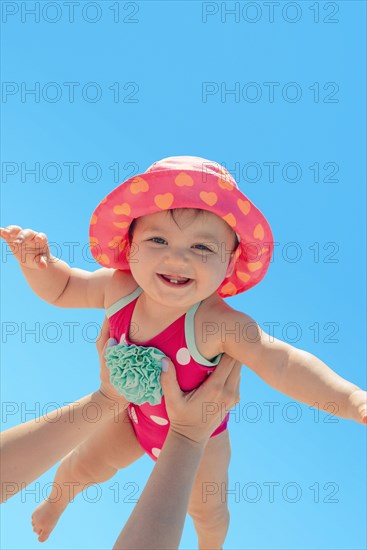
(174, 279)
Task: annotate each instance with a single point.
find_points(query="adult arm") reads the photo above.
(30, 449)
(158, 518)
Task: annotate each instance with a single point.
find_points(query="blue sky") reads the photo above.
(151, 80)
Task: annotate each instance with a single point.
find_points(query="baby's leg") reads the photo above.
(208, 501)
(113, 446)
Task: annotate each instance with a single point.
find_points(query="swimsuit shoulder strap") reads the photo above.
(122, 302)
(191, 343)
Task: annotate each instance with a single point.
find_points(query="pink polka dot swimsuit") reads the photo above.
(177, 341)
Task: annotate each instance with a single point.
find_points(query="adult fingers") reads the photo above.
(104, 335)
(234, 377)
(171, 389)
(232, 384)
(223, 384)
(218, 377)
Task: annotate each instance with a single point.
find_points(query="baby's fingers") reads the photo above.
(37, 243)
(25, 235)
(28, 246)
(41, 238)
(9, 232)
(41, 261)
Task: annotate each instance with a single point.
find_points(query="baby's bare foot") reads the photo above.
(45, 517)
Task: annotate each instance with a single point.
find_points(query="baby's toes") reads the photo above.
(36, 528)
(39, 530)
(43, 535)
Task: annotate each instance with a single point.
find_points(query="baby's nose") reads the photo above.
(176, 256)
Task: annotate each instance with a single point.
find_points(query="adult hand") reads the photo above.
(106, 387)
(158, 518)
(196, 414)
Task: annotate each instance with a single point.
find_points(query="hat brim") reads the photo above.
(153, 192)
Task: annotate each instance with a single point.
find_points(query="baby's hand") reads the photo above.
(29, 247)
(357, 404)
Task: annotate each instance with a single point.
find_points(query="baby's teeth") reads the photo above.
(174, 281)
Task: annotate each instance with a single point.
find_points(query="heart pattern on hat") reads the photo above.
(209, 198)
(184, 182)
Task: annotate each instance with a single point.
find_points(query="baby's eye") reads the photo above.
(160, 239)
(206, 248)
(156, 238)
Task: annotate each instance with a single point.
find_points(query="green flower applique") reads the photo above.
(135, 372)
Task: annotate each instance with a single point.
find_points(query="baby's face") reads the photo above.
(195, 247)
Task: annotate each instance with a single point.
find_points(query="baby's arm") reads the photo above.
(292, 371)
(52, 279)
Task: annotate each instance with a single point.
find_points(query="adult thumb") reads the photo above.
(170, 387)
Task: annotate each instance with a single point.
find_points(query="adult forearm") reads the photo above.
(48, 283)
(158, 518)
(30, 449)
(306, 378)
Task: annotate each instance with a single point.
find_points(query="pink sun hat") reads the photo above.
(184, 182)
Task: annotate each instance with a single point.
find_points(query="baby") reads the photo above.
(174, 242)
